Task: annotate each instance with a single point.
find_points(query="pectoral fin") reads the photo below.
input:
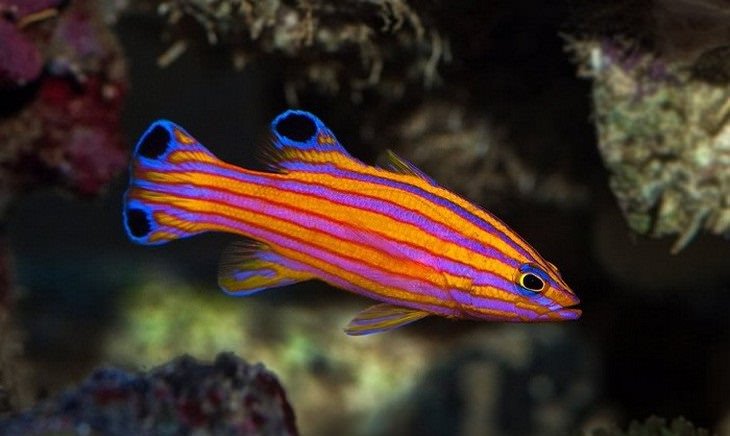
(382, 317)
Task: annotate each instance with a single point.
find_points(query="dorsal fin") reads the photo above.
(299, 136)
(399, 165)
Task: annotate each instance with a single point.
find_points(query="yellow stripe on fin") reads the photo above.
(248, 267)
(382, 317)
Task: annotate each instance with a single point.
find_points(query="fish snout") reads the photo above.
(561, 297)
(563, 307)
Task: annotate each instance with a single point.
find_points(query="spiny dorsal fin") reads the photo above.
(247, 267)
(399, 165)
(300, 137)
(382, 317)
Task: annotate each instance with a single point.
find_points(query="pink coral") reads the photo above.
(19, 9)
(82, 141)
(184, 396)
(62, 85)
(22, 61)
(66, 131)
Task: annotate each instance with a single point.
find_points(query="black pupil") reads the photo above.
(532, 282)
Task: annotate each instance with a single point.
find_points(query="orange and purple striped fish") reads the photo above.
(392, 235)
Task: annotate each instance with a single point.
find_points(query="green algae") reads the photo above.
(304, 346)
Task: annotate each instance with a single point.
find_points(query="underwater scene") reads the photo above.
(367, 218)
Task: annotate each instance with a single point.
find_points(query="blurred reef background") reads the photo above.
(600, 131)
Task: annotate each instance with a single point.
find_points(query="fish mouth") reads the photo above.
(554, 313)
(564, 313)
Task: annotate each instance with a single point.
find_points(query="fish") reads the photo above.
(391, 233)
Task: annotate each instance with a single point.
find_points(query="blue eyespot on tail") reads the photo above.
(299, 137)
(160, 181)
(304, 131)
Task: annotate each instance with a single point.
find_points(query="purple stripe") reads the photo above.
(459, 295)
(338, 172)
(396, 212)
(337, 230)
(339, 282)
(465, 297)
(407, 284)
(383, 207)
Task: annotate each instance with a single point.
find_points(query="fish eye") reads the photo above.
(531, 282)
(531, 279)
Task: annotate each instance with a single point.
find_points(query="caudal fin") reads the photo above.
(160, 204)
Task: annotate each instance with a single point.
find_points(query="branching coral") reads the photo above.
(467, 153)
(336, 45)
(664, 134)
(184, 396)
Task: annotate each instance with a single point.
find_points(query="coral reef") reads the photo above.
(373, 385)
(668, 179)
(22, 59)
(506, 126)
(468, 153)
(181, 397)
(62, 83)
(63, 128)
(336, 45)
(664, 134)
(654, 426)
(334, 384)
(512, 380)
(385, 55)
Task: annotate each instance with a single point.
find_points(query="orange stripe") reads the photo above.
(334, 157)
(432, 211)
(395, 229)
(289, 230)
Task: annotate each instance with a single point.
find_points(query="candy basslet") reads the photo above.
(390, 234)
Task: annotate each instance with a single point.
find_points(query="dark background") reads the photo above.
(655, 324)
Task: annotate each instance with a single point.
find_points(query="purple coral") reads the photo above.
(62, 84)
(182, 397)
(65, 130)
(80, 143)
(17, 10)
(22, 61)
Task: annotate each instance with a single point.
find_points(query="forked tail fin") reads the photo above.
(160, 203)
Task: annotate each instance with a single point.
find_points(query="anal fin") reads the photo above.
(248, 267)
(382, 317)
